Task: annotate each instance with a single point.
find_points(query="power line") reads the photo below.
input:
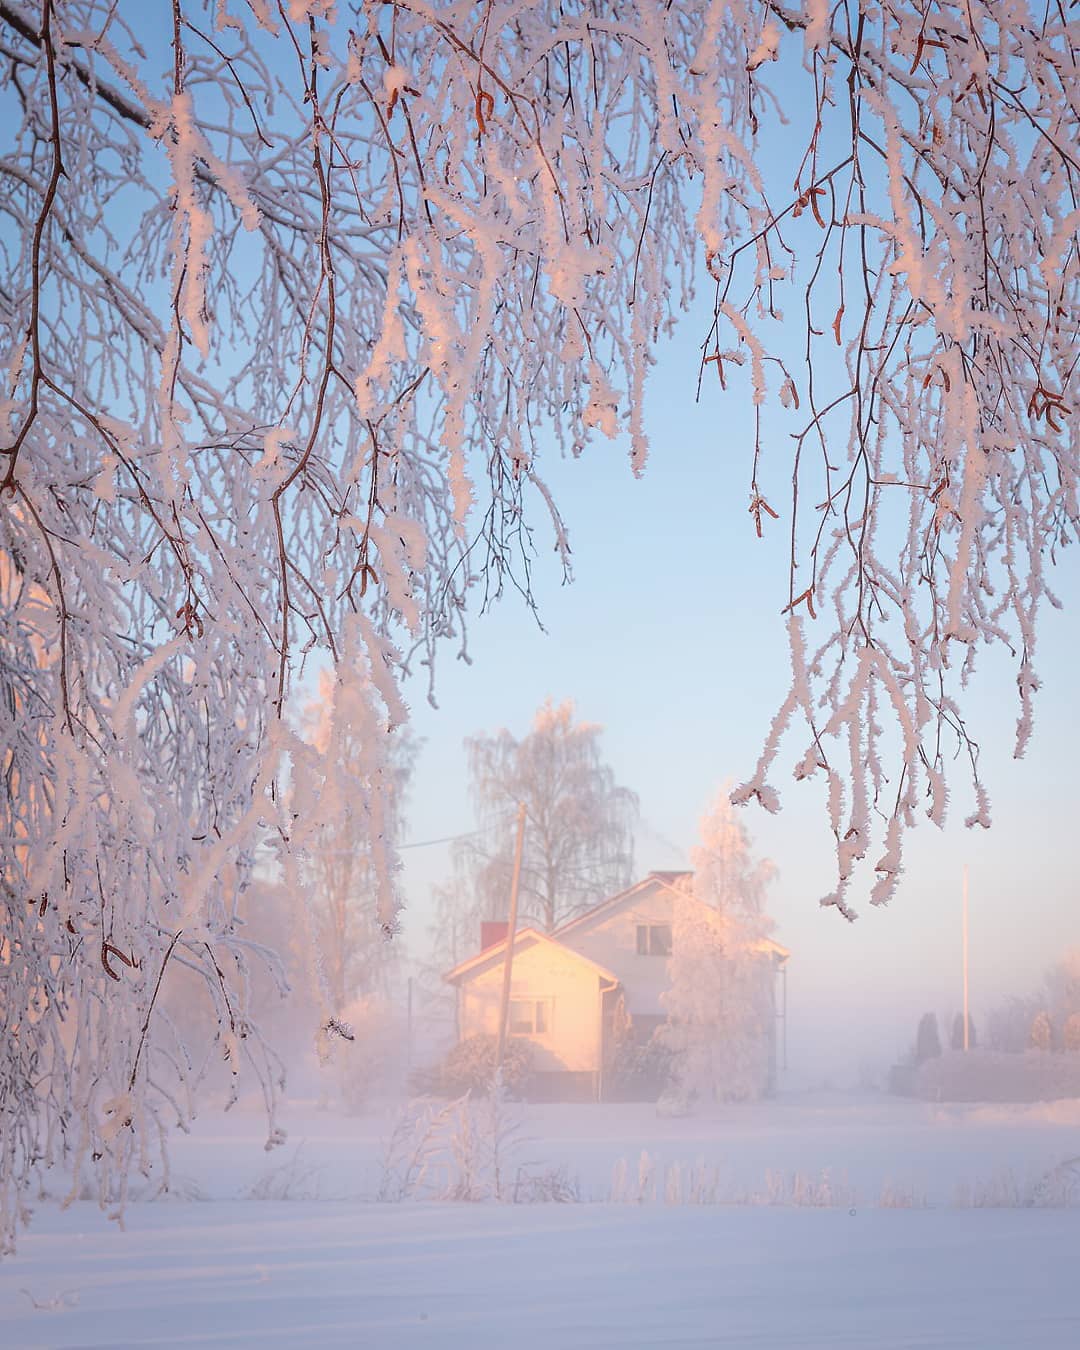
(453, 838)
(446, 839)
(420, 843)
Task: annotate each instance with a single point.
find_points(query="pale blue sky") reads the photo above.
(671, 638)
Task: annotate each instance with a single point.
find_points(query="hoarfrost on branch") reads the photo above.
(292, 296)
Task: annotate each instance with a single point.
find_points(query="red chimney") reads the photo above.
(491, 932)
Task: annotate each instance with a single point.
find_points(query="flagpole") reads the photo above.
(967, 1033)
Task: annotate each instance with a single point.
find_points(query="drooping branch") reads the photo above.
(290, 330)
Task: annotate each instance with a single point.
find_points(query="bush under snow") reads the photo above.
(994, 1076)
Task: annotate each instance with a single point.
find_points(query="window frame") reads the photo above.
(540, 1021)
(647, 944)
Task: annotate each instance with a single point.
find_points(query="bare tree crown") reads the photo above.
(579, 822)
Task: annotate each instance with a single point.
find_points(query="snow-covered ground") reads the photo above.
(330, 1266)
(868, 1145)
(403, 1276)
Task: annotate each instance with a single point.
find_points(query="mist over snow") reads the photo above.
(684, 702)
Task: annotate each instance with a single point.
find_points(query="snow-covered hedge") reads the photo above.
(994, 1076)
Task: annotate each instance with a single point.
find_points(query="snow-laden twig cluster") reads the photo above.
(934, 480)
(293, 292)
(468, 1149)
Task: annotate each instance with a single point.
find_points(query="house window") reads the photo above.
(530, 1016)
(654, 939)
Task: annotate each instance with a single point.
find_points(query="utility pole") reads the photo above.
(409, 1043)
(511, 929)
(967, 1033)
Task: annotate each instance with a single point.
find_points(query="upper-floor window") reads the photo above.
(530, 1016)
(654, 939)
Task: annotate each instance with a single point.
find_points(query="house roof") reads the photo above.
(616, 902)
(497, 952)
(669, 881)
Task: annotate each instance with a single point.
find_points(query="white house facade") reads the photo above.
(575, 992)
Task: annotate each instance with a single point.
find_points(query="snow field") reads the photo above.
(577, 1277)
(835, 1221)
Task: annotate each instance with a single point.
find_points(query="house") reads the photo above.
(574, 992)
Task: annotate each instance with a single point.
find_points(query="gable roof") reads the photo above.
(670, 882)
(605, 908)
(497, 953)
(669, 878)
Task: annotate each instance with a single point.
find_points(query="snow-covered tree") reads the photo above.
(579, 823)
(351, 952)
(293, 294)
(927, 1038)
(351, 968)
(1062, 982)
(458, 911)
(720, 1005)
(1017, 1023)
(1008, 1024)
(1042, 1032)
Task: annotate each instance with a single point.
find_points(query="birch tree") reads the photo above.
(351, 952)
(295, 297)
(578, 845)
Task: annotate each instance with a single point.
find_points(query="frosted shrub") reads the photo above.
(801, 1190)
(927, 1039)
(994, 1076)
(673, 1185)
(703, 1187)
(700, 1183)
(1037, 1020)
(1041, 1036)
(290, 1179)
(896, 1195)
(1008, 1025)
(409, 1148)
(1057, 1189)
(435, 1152)
(551, 1185)
(467, 1150)
(469, 1066)
(642, 1071)
(1060, 1187)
